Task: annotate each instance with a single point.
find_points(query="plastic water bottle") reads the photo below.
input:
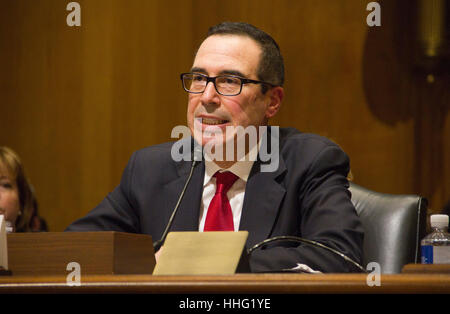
(435, 247)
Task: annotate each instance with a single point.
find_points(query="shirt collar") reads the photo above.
(241, 168)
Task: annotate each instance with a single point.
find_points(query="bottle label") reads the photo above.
(441, 255)
(435, 254)
(427, 254)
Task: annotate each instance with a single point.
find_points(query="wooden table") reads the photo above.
(236, 284)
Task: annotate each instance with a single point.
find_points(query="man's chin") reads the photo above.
(206, 141)
(212, 139)
(214, 146)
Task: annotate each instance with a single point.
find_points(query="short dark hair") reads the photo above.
(271, 64)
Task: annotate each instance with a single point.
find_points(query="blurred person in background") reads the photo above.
(17, 199)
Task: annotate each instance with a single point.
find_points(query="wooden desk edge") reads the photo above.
(239, 283)
(426, 269)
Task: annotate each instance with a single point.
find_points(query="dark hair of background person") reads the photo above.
(27, 221)
(271, 64)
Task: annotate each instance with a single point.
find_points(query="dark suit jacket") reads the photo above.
(306, 196)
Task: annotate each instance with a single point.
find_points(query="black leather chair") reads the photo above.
(393, 226)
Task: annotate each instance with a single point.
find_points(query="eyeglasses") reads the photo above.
(226, 85)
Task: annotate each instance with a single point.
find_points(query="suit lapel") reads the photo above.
(263, 196)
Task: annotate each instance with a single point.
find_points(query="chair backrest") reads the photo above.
(393, 227)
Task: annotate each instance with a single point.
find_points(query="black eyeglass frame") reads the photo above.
(213, 80)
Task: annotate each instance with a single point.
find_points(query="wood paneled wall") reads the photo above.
(75, 102)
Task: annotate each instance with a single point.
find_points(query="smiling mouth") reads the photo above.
(213, 121)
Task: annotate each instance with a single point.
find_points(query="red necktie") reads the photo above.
(220, 216)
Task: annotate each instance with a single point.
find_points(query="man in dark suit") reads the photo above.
(236, 81)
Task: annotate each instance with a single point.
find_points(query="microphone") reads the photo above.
(306, 241)
(196, 159)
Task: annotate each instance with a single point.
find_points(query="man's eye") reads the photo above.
(198, 78)
(230, 80)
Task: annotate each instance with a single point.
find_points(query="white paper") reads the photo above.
(305, 269)
(3, 244)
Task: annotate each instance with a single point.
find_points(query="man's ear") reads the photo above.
(276, 95)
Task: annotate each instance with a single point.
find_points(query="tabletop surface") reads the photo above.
(238, 283)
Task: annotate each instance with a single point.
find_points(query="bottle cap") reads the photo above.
(439, 221)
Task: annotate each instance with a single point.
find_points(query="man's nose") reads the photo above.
(210, 94)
